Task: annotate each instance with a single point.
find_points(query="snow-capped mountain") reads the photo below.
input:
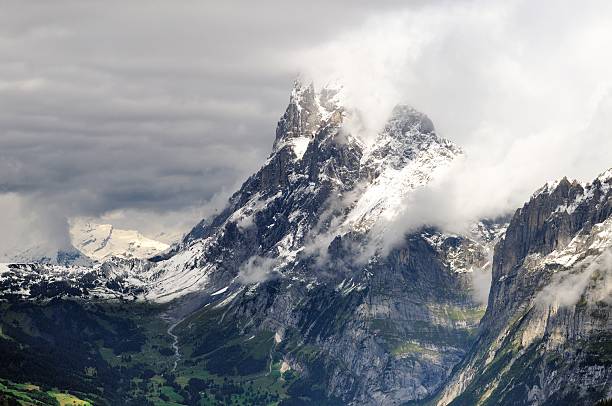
(299, 259)
(41, 254)
(103, 241)
(305, 234)
(89, 242)
(320, 185)
(117, 278)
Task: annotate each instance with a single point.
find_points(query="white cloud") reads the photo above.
(481, 284)
(257, 269)
(568, 287)
(30, 224)
(524, 89)
(171, 225)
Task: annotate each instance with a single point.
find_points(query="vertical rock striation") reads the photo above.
(546, 337)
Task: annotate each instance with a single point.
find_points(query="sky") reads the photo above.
(147, 115)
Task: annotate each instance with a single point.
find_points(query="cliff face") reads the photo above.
(546, 337)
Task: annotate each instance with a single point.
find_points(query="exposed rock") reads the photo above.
(546, 335)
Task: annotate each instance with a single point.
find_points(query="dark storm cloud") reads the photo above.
(152, 112)
(152, 105)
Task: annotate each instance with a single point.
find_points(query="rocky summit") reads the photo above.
(299, 292)
(546, 337)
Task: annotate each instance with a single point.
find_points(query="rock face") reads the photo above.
(546, 337)
(300, 252)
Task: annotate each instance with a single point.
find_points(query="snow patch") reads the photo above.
(220, 291)
(300, 145)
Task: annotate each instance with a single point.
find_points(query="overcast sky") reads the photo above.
(148, 114)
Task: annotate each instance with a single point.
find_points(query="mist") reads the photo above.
(593, 281)
(528, 99)
(31, 225)
(481, 284)
(257, 269)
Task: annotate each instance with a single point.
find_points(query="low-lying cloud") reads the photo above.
(567, 288)
(481, 284)
(30, 225)
(257, 269)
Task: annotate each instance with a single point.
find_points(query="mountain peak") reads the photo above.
(307, 112)
(407, 118)
(605, 177)
(103, 241)
(302, 92)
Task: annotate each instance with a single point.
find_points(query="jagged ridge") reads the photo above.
(547, 329)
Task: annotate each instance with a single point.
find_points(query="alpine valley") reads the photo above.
(301, 291)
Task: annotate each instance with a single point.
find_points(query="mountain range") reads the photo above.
(89, 242)
(304, 289)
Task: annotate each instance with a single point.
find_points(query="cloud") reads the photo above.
(152, 111)
(481, 281)
(257, 269)
(481, 284)
(567, 288)
(168, 226)
(31, 225)
(524, 89)
(149, 111)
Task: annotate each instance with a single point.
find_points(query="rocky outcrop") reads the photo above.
(547, 332)
(116, 278)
